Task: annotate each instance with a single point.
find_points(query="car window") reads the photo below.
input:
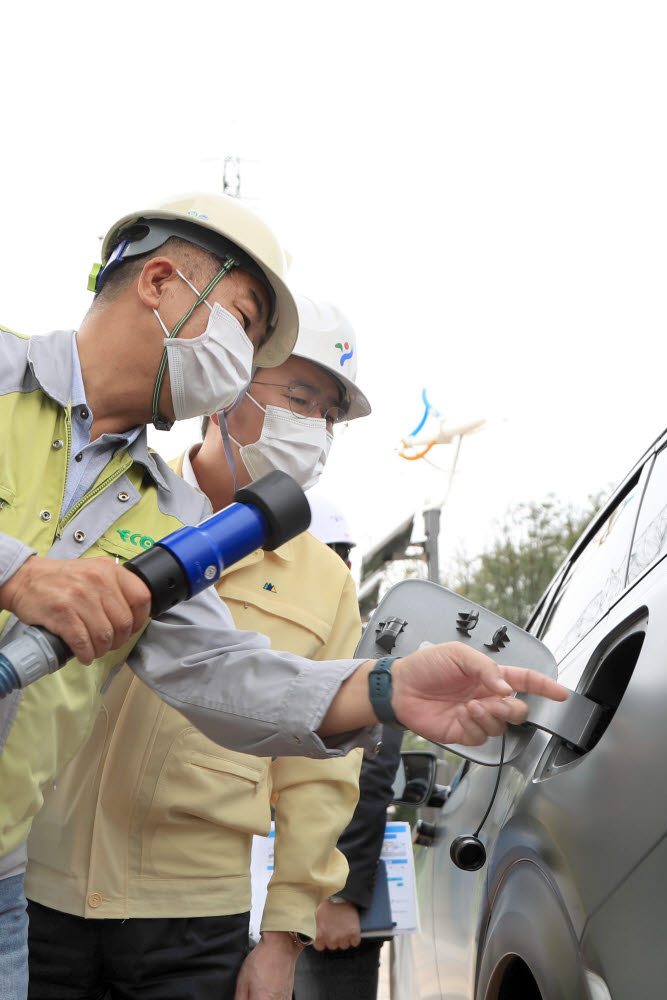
(594, 580)
(650, 539)
(542, 609)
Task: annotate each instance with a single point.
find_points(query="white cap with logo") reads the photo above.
(327, 339)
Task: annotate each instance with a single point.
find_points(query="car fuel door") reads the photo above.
(415, 613)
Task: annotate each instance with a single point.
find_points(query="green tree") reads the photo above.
(533, 539)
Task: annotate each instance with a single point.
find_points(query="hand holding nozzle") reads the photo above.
(93, 605)
(86, 607)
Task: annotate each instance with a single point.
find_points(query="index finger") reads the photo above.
(532, 682)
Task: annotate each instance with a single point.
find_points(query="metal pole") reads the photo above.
(432, 526)
(453, 470)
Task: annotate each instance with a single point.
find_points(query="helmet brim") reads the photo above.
(358, 403)
(282, 339)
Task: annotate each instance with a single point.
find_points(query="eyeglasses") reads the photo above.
(304, 401)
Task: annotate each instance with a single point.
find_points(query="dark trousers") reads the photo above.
(339, 975)
(171, 958)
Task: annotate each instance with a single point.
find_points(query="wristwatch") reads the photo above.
(337, 899)
(380, 691)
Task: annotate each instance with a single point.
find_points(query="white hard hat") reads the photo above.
(203, 219)
(327, 339)
(327, 522)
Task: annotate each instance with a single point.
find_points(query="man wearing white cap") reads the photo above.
(329, 524)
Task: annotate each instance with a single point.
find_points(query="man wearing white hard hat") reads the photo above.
(329, 524)
(191, 294)
(191, 889)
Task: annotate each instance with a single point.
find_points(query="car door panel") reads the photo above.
(577, 826)
(624, 940)
(415, 972)
(460, 897)
(594, 808)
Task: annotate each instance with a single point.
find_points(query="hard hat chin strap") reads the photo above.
(227, 446)
(224, 430)
(160, 422)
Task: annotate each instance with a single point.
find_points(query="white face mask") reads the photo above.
(208, 372)
(296, 445)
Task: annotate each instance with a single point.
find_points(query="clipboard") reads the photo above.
(377, 919)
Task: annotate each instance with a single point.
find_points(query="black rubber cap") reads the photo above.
(282, 502)
(468, 853)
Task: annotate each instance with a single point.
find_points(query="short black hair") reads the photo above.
(200, 263)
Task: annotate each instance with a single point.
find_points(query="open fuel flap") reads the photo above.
(417, 612)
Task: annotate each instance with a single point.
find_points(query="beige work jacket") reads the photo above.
(154, 819)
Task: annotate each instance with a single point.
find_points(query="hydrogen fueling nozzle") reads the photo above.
(265, 514)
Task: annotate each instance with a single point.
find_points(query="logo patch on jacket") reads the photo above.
(269, 586)
(136, 539)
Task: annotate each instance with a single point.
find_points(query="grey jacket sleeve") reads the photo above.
(237, 690)
(13, 554)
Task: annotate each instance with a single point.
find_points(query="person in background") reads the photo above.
(328, 523)
(341, 965)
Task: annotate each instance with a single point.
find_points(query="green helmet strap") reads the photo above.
(159, 422)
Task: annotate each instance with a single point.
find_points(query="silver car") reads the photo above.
(570, 900)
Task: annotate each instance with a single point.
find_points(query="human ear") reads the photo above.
(152, 283)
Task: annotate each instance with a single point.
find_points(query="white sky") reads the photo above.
(480, 186)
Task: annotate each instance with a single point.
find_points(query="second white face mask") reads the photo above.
(208, 372)
(296, 445)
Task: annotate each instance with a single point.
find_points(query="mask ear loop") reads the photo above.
(224, 430)
(159, 422)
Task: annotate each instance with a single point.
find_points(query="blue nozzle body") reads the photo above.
(266, 514)
(220, 541)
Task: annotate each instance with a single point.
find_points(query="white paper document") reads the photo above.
(261, 870)
(397, 856)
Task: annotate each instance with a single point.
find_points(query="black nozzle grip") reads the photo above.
(282, 502)
(164, 576)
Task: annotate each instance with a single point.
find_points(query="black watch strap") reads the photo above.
(380, 691)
